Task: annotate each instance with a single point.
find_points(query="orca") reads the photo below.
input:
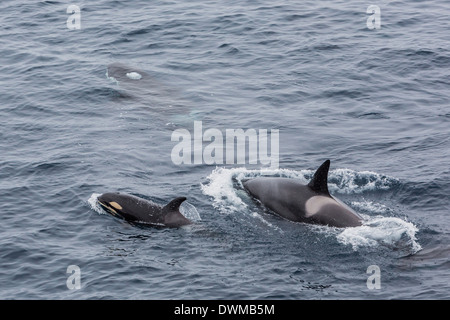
(145, 90)
(139, 84)
(123, 73)
(311, 203)
(435, 255)
(141, 211)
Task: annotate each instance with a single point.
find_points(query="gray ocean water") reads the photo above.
(375, 101)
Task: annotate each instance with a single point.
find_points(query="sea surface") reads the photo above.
(374, 99)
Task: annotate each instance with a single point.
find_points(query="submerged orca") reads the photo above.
(311, 203)
(124, 73)
(138, 210)
(145, 89)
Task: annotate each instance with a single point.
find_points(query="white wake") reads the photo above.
(224, 186)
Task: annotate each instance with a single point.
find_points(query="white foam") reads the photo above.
(94, 203)
(225, 198)
(220, 188)
(350, 181)
(376, 231)
(130, 75)
(189, 212)
(369, 206)
(379, 230)
(257, 216)
(112, 79)
(134, 76)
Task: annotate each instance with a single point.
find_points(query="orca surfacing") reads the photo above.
(141, 211)
(311, 203)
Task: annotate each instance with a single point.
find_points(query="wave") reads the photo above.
(190, 211)
(390, 232)
(93, 203)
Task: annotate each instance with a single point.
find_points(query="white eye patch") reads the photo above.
(134, 75)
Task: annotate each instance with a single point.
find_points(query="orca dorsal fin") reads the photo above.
(174, 205)
(319, 182)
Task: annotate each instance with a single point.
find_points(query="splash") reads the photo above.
(369, 206)
(225, 188)
(190, 212)
(349, 181)
(220, 188)
(221, 182)
(93, 203)
(386, 231)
